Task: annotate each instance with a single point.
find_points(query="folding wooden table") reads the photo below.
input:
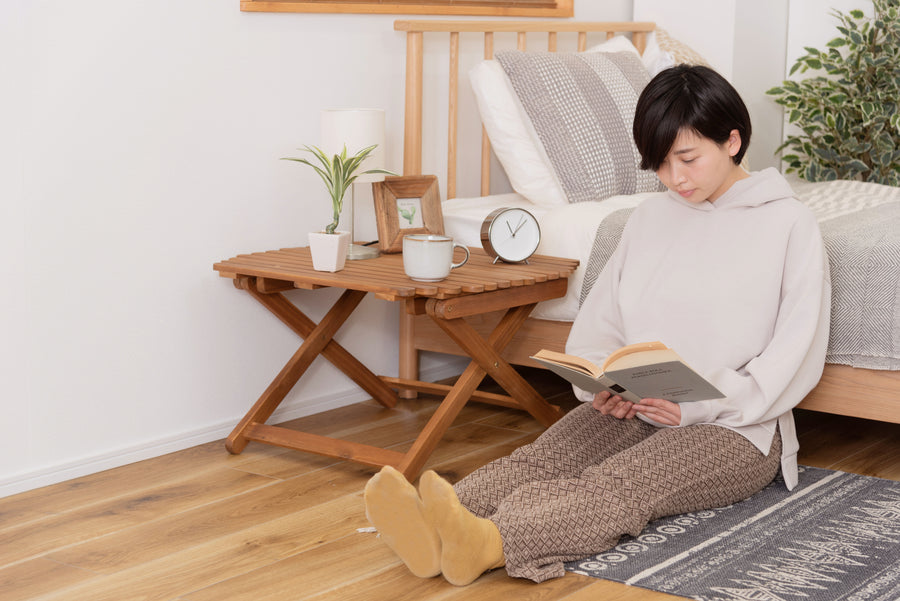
(478, 287)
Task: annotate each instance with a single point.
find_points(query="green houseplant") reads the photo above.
(329, 248)
(338, 173)
(849, 127)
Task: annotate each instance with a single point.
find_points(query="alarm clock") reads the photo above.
(510, 234)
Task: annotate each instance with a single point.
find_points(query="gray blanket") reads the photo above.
(864, 253)
(864, 250)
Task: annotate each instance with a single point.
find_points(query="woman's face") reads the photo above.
(698, 169)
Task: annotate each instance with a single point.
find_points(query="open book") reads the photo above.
(634, 372)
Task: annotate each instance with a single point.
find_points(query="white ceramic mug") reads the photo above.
(429, 257)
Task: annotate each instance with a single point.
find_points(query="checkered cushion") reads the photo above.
(582, 109)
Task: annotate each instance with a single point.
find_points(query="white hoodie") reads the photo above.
(738, 287)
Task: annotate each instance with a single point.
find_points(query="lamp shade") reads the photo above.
(357, 129)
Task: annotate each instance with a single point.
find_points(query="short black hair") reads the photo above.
(687, 96)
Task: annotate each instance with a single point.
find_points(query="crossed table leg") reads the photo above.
(318, 340)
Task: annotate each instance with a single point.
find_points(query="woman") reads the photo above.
(728, 269)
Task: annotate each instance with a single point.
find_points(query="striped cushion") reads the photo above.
(582, 108)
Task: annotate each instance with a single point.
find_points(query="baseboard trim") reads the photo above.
(29, 480)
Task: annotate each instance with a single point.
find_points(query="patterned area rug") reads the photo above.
(835, 537)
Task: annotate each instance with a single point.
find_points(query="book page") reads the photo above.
(632, 349)
(570, 361)
(642, 358)
(590, 384)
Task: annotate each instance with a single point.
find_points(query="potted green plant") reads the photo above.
(329, 247)
(849, 125)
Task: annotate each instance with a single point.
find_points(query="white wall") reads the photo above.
(140, 144)
(745, 42)
(707, 26)
(14, 404)
(812, 24)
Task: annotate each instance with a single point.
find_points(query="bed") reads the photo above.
(583, 198)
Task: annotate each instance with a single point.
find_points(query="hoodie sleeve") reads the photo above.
(597, 329)
(776, 380)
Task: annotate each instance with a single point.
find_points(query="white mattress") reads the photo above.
(566, 231)
(859, 229)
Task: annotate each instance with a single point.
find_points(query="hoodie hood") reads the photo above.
(760, 188)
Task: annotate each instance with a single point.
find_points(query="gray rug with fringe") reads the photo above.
(835, 537)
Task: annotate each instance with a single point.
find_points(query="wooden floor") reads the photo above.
(271, 524)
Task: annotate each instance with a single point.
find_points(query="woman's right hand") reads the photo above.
(613, 405)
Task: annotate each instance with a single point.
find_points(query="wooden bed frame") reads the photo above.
(843, 390)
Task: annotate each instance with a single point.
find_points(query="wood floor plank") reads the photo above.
(393, 584)
(99, 487)
(455, 467)
(203, 524)
(462, 440)
(498, 585)
(364, 416)
(312, 572)
(881, 459)
(398, 584)
(396, 436)
(21, 514)
(512, 419)
(103, 486)
(156, 573)
(33, 578)
(819, 447)
(615, 591)
(288, 464)
(343, 422)
(520, 423)
(384, 435)
(61, 530)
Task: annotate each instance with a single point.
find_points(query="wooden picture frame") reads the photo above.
(496, 8)
(406, 204)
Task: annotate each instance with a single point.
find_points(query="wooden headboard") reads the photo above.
(419, 332)
(415, 30)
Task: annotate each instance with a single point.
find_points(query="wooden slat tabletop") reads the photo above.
(384, 275)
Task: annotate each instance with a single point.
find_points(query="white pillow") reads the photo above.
(655, 58)
(512, 135)
(617, 43)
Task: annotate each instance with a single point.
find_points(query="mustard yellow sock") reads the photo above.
(394, 508)
(470, 545)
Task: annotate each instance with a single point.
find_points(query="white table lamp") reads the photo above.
(356, 129)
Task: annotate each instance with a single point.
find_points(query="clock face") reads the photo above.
(510, 234)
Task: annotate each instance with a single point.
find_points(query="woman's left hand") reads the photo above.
(660, 410)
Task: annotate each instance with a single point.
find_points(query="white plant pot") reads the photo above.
(329, 251)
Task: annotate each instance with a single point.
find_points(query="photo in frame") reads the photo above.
(406, 204)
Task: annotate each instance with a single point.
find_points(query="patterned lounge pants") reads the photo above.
(591, 478)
